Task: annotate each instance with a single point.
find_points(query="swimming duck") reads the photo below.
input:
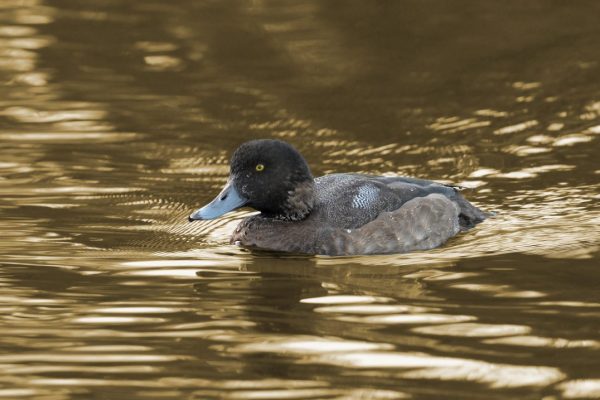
(337, 214)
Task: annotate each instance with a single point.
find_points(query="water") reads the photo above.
(118, 118)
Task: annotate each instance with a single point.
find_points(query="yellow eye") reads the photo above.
(260, 167)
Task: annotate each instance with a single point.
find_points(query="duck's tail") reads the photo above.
(469, 214)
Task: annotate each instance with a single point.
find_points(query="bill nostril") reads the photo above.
(223, 197)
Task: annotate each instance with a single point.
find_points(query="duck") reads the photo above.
(340, 214)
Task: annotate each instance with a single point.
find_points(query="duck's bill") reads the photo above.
(228, 200)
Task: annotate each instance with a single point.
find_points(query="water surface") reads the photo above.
(118, 118)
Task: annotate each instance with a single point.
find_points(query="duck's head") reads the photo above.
(268, 175)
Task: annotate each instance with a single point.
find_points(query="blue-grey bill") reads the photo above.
(228, 200)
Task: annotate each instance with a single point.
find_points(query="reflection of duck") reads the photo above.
(338, 214)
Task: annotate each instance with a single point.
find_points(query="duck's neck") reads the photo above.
(299, 203)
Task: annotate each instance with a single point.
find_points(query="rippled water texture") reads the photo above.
(117, 118)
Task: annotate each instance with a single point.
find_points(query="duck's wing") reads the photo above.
(469, 215)
(422, 223)
(353, 200)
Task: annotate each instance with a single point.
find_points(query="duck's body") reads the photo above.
(338, 214)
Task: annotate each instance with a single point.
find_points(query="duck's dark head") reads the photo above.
(268, 175)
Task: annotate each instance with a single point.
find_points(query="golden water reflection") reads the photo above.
(422, 366)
